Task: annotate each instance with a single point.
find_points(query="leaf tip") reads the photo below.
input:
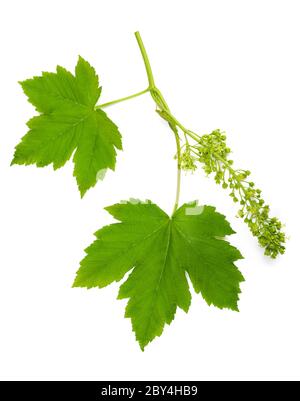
(236, 308)
(82, 191)
(80, 59)
(142, 344)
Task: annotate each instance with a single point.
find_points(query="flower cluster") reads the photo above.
(188, 160)
(213, 152)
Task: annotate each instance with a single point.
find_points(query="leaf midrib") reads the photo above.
(160, 276)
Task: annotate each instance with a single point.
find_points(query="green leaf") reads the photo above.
(160, 252)
(69, 123)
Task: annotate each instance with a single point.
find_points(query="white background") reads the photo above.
(230, 64)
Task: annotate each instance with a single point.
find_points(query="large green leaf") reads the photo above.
(160, 252)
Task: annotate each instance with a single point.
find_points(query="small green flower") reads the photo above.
(188, 161)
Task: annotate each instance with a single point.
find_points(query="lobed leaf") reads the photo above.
(159, 252)
(69, 124)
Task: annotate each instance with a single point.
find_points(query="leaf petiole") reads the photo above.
(123, 99)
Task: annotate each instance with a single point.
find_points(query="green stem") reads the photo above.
(178, 186)
(146, 60)
(123, 99)
(163, 106)
(186, 132)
